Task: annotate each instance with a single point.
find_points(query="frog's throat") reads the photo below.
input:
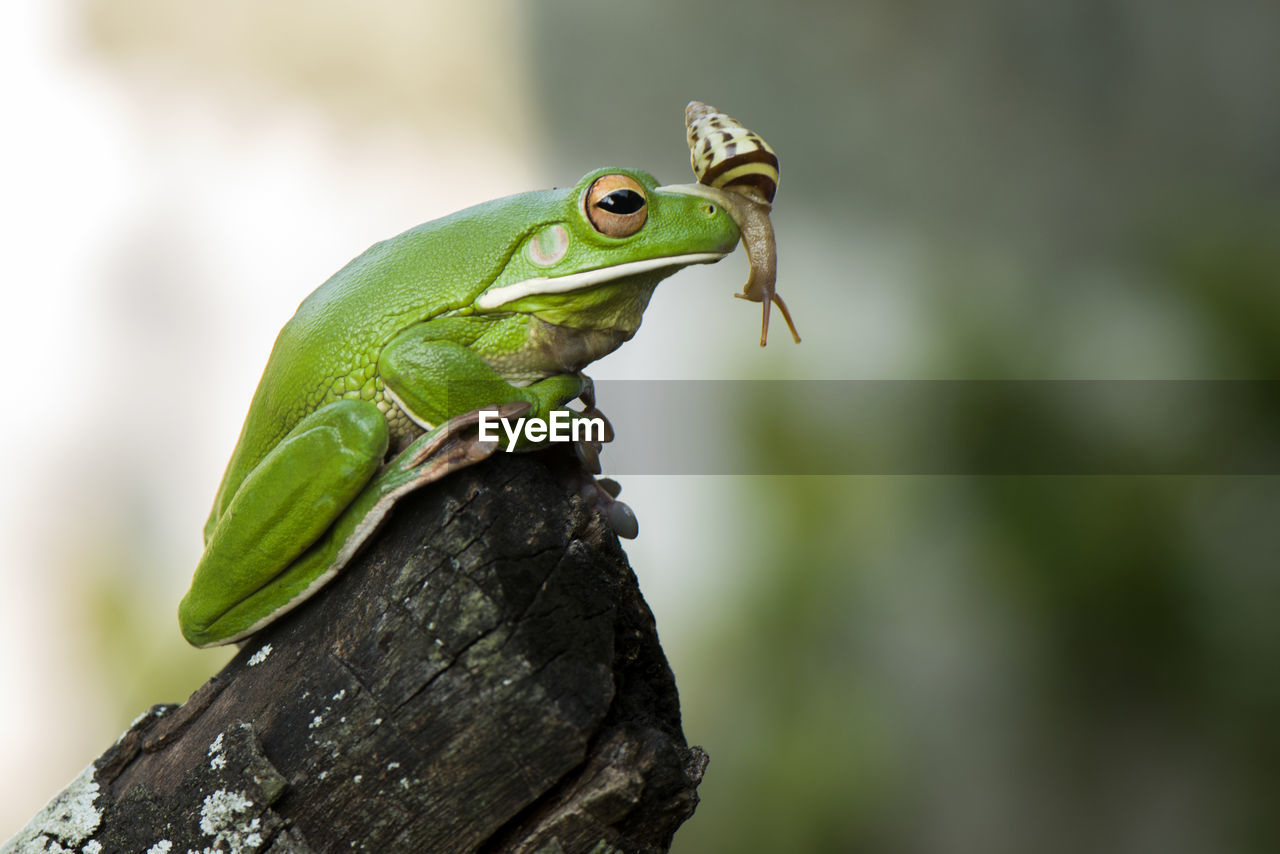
(589, 278)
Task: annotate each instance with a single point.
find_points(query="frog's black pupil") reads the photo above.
(621, 202)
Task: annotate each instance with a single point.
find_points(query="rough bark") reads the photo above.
(486, 677)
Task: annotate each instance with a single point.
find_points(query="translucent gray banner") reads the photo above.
(1125, 427)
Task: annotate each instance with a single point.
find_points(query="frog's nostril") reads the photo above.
(709, 209)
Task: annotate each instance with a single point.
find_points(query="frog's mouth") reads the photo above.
(588, 278)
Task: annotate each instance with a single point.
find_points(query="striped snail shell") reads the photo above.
(740, 171)
(728, 156)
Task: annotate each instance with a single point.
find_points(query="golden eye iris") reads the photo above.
(616, 205)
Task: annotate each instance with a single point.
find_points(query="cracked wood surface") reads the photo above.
(486, 677)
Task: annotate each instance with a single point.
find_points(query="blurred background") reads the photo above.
(998, 190)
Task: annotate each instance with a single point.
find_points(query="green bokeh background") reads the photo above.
(987, 664)
(991, 190)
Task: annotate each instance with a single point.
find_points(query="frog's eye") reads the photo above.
(616, 205)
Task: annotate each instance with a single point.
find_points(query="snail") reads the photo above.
(738, 169)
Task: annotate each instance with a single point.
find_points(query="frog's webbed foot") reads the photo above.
(588, 450)
(601, 494)
(451, 446)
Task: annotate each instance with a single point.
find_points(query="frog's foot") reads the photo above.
(601, 494)
(588, 450)
(452, 446)
(588, 399)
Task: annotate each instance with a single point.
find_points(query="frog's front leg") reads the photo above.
(433, 372)
(433, 350)
(278, 513)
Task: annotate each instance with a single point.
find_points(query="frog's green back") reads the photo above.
(329, 349)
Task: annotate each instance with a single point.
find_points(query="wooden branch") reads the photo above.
(486, 677)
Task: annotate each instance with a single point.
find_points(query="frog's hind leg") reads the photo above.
(449, 447)
(283, 507)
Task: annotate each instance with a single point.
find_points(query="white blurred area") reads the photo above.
(176, 180)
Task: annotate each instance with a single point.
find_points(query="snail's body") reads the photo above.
(737, 162)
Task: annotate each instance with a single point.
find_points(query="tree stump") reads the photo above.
(485, 677)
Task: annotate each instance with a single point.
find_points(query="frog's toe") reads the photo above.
(602, 495)
(588, 454)
(623, 520)
(455, 444)
(588, 450)
(592, 413)
(588, 393)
